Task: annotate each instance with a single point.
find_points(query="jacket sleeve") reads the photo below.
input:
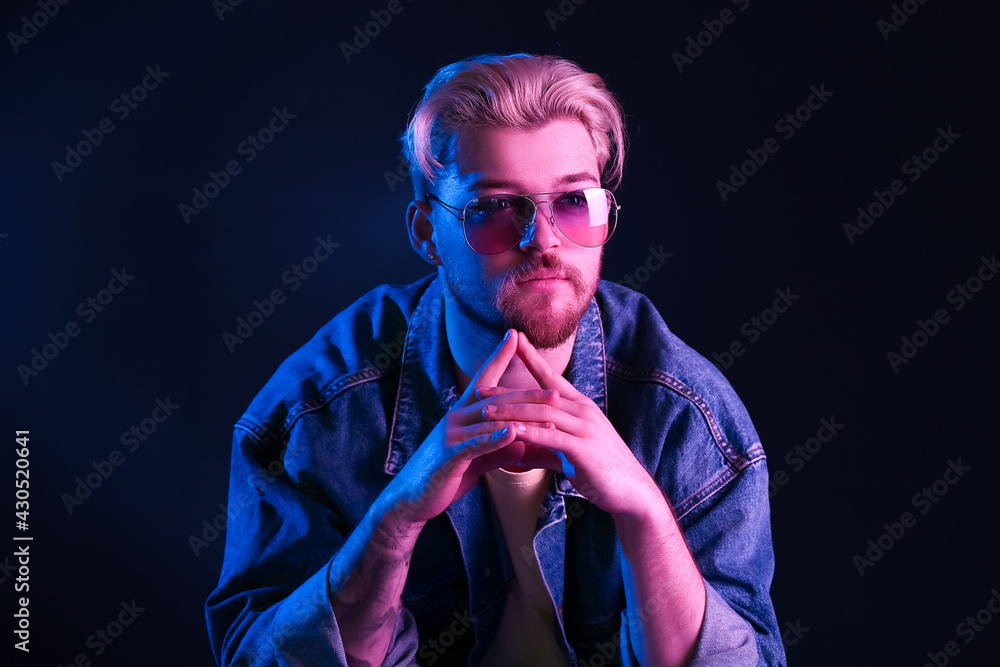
(726, 522)
(272, 604)
(726, 640)
(730, 539)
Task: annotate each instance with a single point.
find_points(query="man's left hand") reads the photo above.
(561, 426)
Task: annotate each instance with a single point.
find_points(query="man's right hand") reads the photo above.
(372, 566)
(462, 446)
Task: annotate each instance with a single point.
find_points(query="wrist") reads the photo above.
(396, 530)
(649, 514)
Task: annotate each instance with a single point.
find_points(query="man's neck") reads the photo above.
(471, 344)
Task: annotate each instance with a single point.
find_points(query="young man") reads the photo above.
(545, 476)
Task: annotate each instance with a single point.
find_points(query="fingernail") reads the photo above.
(505, 431)
(506, 334)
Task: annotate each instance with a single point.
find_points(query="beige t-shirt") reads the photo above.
(526, 635)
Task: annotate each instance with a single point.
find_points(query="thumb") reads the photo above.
(493, 368)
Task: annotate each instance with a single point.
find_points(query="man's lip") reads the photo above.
(543, 276)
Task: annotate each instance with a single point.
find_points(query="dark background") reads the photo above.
(325, 176)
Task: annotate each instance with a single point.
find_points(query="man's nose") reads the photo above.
(541, 233)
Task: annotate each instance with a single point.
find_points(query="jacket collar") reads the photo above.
(427, 388)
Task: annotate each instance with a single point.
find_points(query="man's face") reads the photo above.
(544, 284)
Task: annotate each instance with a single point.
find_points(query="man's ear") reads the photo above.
(421, 231)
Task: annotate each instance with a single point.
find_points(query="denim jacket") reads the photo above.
(343, 415)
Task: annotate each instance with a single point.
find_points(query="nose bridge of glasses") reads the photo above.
(531, 228)
(536, 208)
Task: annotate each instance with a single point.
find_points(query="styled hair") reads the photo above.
(518, 91)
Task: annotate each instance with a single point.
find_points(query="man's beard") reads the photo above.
(546, 325)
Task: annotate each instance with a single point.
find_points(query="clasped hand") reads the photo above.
(489, 427)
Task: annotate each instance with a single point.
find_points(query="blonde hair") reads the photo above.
(518, 91)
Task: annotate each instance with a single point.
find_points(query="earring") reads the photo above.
(430, 256)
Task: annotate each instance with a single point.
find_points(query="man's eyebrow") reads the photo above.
(578, 177)
(517, 187)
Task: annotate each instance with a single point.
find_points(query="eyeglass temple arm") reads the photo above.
(448, 207)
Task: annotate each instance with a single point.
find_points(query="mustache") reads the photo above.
(538, 264)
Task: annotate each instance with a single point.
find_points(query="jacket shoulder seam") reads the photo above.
(325, 396)
(672, 383)
(754, 454)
